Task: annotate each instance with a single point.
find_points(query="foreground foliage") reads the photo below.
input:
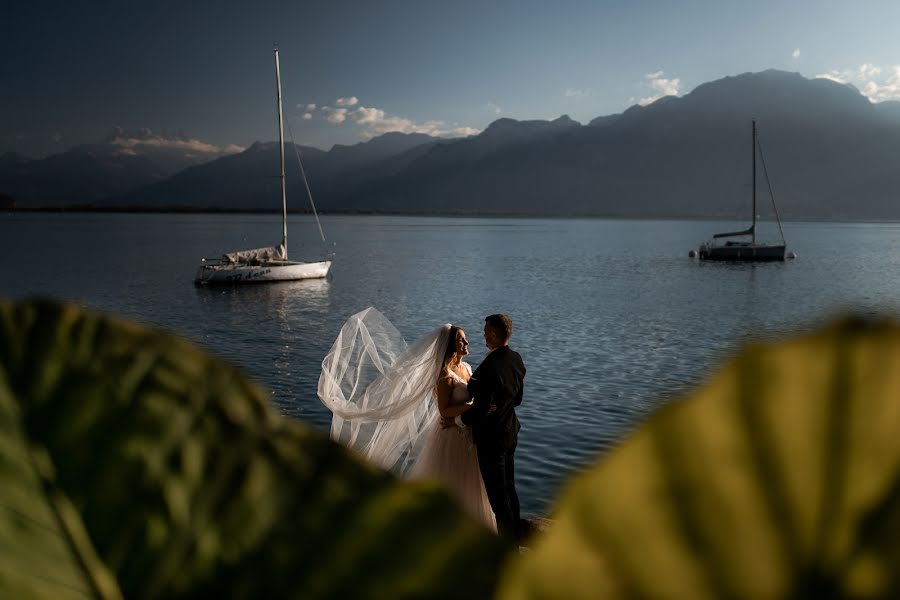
(780, 478)
(134, 465)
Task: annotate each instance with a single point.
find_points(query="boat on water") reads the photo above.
(747, 250)
(270, 264)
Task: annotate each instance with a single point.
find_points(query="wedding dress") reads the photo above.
(449, 457)
(381, 395)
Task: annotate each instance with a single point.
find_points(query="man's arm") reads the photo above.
(481, 389)
(518, 399)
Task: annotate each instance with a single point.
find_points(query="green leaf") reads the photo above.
(133, 464)
(779, 478)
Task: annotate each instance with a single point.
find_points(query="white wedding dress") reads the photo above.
(381, 395)
(449, 457)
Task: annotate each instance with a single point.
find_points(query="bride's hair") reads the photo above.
(450, 351)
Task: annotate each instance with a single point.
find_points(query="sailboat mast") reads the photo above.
(281, 154)
(753, 227)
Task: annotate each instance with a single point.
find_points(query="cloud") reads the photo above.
(307, 116)
(796, 53)
(375, 121)
(493, 108)
(878, 84)
(367, 116)
(662, 85)
(335, 115)
(310, 106)
(869, 70)
(889, 89)
(836, 76)
(146, 140)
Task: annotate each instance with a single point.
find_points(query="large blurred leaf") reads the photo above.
(132, 463)
(780, 478)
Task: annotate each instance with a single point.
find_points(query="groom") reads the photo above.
(496, 389)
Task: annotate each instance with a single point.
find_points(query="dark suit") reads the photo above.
(498, 381)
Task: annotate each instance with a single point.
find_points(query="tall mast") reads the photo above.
(281, 154)
(753, 227)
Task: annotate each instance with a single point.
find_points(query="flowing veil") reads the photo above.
(379, 390)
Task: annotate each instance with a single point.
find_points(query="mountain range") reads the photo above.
(86, 174)
(830, 153)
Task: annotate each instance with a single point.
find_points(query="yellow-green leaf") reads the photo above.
(780, 478)
(133, 464)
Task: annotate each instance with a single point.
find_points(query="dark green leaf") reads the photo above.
(131, 462)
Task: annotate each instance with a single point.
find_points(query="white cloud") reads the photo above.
(375, 121)
(367, 116)
(493, 108)
(662, 85)
(836, 76)
(335, 115)
(307, 116)
(796, 53)
(132, 145)
(877, 83)
(869, 70)
(889, 89)
(310, 106)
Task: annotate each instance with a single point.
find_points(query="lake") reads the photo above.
(611, 316)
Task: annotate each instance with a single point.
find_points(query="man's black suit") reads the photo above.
(498, 383)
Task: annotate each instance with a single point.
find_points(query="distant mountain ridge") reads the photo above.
(122, 162)
(830, 152)
(248, 180)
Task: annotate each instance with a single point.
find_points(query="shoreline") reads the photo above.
(84, 209)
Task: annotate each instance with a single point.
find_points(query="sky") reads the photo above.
(71, 72)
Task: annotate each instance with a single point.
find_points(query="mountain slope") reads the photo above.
(830, 154)
(84, 174)
(829, 151)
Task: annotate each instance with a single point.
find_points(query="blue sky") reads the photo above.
(73, 71)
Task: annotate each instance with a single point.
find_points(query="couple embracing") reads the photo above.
(422, 412)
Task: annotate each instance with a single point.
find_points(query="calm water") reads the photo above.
(611, 317)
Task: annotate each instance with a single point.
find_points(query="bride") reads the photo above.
(387, 398)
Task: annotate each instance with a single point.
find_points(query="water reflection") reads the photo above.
(271, 330)
(278, 295)
(611, 317)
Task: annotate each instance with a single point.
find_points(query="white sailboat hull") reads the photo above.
(263, 265)
(238, 274)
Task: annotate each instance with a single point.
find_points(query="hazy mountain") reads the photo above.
(890, 109)
(11, 158)
(829, 151)
(604, 120)
(378, 148)
(122, 162)
(238, 181)
(248, 180)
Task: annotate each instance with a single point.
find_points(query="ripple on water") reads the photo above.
(611, 318)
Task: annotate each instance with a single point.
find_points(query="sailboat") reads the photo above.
(747, 250)
(265, 264)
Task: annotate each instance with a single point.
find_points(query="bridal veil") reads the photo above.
(379, 390)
